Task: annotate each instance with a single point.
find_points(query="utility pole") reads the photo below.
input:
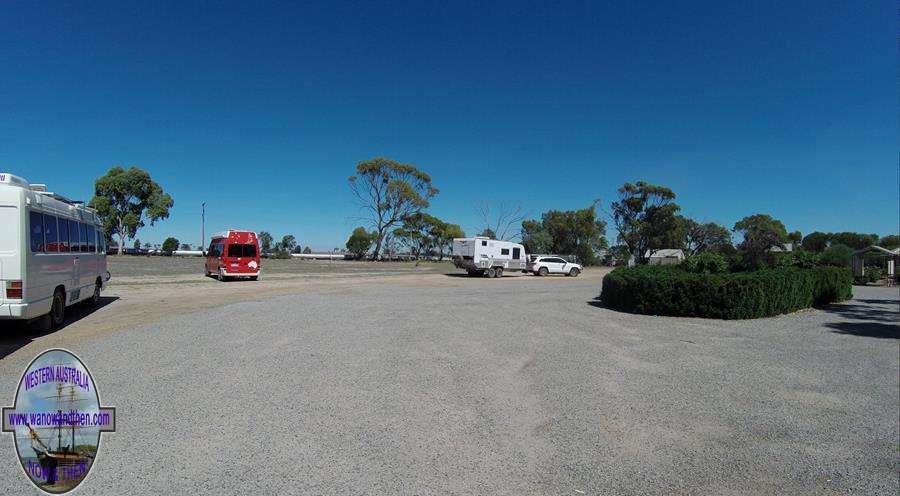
(203, 228)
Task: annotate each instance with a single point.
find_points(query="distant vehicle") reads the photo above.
(233, 254)
(52, 252)
(548, 264)
(481, 256)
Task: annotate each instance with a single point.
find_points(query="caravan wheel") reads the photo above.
(498, 272)
(490, 273)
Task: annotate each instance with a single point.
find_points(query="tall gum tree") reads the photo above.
(390, 192)
(127, 200)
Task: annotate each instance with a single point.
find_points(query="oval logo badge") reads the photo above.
(57, 420)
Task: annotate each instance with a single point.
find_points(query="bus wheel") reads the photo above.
(95, 298)
(58, 309)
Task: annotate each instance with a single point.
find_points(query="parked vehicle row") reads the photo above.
(482, 256)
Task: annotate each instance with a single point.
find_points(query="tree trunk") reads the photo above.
(377, 246)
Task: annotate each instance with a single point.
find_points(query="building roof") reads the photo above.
(664, 253)
(877, 249)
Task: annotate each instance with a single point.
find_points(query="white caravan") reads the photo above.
(52, 252)
(486, 256)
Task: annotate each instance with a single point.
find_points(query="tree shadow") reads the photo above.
(866, 329)
(873, 318)
(17, 334)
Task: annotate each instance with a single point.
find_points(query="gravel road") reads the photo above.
(450, 385)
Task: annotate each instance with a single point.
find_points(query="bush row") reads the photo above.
(669, 290)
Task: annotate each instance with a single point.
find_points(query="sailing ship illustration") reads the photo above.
(65, 464)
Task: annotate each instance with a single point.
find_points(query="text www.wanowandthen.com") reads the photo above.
(60, 419)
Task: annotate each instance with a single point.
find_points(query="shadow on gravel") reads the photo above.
(17, 334)
(872, 318)
(596, 302)
(867, 329)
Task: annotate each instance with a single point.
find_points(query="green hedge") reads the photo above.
(669, 290)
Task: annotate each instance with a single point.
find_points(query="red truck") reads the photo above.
(233, 254)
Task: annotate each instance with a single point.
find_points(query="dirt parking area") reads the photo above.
(430, 382)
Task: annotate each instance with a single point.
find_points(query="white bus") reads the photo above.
(52, 252)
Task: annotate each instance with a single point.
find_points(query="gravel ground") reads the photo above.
(452, 385)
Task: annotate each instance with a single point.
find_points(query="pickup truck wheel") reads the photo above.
(543, 271)
(58, 309)
(574, 272)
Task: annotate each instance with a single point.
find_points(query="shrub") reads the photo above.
(667, 290)
(837, 256)
(705, 263)
(873, 274)
(801, 258)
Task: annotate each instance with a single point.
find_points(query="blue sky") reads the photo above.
(786, 108)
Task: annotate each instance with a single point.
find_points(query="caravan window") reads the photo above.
(484, 243)
(516, 253)
(37, 232)
(50, 234)
(504, 251)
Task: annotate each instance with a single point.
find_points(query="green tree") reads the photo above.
(645, 217)
(390, 191)
(128, 199)
(443, 235)
(265, 241)
(760, 233)
(838, 255)
(307, 250)
(169, 245)
(571, 232)
(701, 238)
(360, 241)
(796, 238)
(890, 242)
(137, 244)
(816, 241)
(288, 243)
(488, 233)
(535, 238)
(185, 247)
(415, 233)
(854, 240)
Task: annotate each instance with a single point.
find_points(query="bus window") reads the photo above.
(84, 236)
(92, 239)
(63, 235)
(51, 243)
(73, 235)
(37, 232)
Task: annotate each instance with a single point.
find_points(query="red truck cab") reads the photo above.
(233, 254)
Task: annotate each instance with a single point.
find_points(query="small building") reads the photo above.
(666, 256)
(890, 259)
(783, 248)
